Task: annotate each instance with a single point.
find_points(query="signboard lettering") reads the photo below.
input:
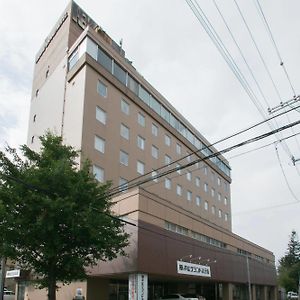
(193, 269)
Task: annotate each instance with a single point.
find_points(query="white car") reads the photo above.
(8, 295)
(292, 295)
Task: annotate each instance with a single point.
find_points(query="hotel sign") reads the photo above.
(138, 287)
(193, 269)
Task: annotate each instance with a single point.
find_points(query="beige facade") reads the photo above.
(85, 89)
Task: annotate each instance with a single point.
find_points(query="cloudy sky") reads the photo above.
(170, 48)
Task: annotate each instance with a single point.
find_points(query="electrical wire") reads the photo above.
(206, 147)
(241, 53)
(284, 175)
(268, 28)
(257, 138)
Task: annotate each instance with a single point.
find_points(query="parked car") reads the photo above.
(8, 295)
(292, 295)
(182, 297)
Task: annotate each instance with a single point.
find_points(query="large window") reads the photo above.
(124, 107)
(99, 144)
(141, 142)
(124, 131)
(100, 115)
(98, 173)
(124, 158)
(168, 183)
(144, 95)
(141, 120)
(188, 175)
(189, 195)
(154, 152)
(198, 200)
(154, 130)
(119, 73)
(123, 183)
(197, 181)
(102, 89)
(167, 140)
(179, 190)
(104, 60)
(167, 159)
(140, 167)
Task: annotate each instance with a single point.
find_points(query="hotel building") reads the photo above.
(86, 90)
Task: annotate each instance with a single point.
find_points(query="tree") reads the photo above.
(289, 265)
(55, 219)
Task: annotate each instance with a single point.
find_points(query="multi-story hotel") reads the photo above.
(85, 89)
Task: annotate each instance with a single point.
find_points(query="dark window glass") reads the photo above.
(119, 73)
(133, 85)
(104, 60)
(144, 95)
(154, 104)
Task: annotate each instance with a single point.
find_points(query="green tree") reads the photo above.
(55, 219)
(289, 265)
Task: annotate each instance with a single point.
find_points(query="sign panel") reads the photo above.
(193, 269)
(138, 287)
(13, 273)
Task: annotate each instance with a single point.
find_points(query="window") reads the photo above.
(178, 149)
(226, 217)
(154, 151)
(178, 166)
(100, 115)
(124, 107)
(124, 131)
(153, 174)
(154, 130)
(213, 192)
(197, 181)
(99, 144)
(205, 187)
(220, 213)
(140, 167)
(34, 118)
(104, 60)
(98, 173)
(119, 73)
(198, 200)
(205, 170)
(32, 139)
(167, 140)
(219, 181)
(102, 89)
(225, 186)
(213, 210)
(219, 197)
(206, 205)
(123, 184)
(132, 84)
(189, 195)
(168, 183)
(179, 190)
(212, 176)
(141, 120)
(188, 175)
(123, 158)
(188, 158)
(167, 159)
(141, 142)
(225, 201)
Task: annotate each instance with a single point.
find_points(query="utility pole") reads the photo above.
(248, 275)
(2, 277)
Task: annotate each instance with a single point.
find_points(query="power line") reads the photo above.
(264, 19)
(257, 138)
(196, 152)
(284, 175)
(241, 53)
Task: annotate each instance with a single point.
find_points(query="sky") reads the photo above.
(170, 48)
